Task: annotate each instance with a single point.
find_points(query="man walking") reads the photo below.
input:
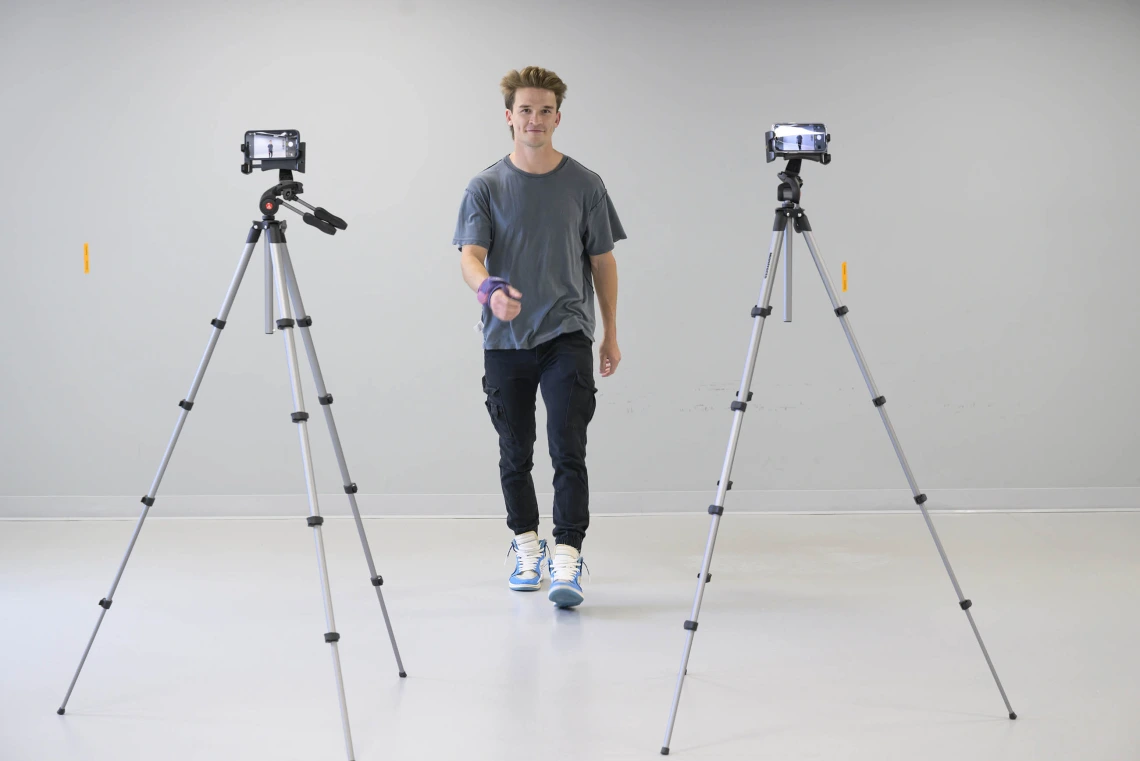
(536, 230)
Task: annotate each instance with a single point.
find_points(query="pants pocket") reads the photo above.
(497, 410)
(583, 400)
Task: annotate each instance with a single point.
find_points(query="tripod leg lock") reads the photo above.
(148, 501)
(331, 637)
(739, 406)
(758, 312)
(305, 322)
(920, 499)
(708, 577)
(186, 405)
(219, 324)
(716, 510)
(690, 626)
(314, 521)
(749, 396)
(350, 489)
(965, 605)
(286, 322)
(105, 604)
(729, 485)
(377, 581)
(841, 311)
(299, 417)
(879, 402)
(325, 400)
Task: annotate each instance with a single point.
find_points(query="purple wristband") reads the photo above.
(488, 287)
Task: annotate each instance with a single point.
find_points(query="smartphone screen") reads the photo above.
(273, 145)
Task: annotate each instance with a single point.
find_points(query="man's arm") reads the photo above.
(473, 260)
(604, 268)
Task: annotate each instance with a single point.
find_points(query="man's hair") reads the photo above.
(531, 76)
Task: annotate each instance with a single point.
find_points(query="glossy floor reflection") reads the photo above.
(821, 637)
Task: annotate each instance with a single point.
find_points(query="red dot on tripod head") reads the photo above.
(269, 205)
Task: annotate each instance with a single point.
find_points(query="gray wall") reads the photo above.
(982, 192)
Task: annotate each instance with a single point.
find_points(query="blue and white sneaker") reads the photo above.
(529, 551)
(565, 575)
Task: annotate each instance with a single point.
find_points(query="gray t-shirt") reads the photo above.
(540, 231)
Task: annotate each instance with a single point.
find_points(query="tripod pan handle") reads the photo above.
(320, 224)
(332, 219)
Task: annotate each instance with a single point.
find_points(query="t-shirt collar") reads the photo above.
(512, 166)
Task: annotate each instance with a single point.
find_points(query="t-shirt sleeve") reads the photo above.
(474, 223)
(603, 228)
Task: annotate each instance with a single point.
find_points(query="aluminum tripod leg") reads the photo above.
(279, 252)
(185, 404)
(743, 396)
(788, 277)
(880, 401)
(326, 400)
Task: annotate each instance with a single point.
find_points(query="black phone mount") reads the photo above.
(296, 164)
(771, 154)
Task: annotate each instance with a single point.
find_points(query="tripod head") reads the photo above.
(790, 184)
(290, 190)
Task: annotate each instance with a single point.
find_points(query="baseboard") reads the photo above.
(601, 503)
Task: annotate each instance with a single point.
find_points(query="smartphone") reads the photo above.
(273, 144)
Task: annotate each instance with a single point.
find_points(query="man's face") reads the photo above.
(534, 116)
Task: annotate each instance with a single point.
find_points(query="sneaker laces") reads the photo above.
(565, 567)
(527, 560)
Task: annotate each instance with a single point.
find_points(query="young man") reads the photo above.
(536, 231)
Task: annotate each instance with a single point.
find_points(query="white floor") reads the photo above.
(821, 637)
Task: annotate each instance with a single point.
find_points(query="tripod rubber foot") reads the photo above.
(60, 712)
(664, 751)
(1012, 715)
(403, 675)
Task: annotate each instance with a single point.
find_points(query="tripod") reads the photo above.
(280, 281)
(791, 213)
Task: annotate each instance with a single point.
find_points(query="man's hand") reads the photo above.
(609, 356)
(505, 307)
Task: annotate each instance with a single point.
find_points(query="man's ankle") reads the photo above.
(526, 536)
